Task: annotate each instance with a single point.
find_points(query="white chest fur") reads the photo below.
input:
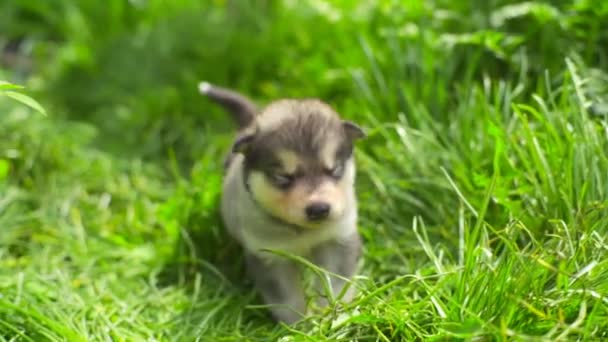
(268, 235)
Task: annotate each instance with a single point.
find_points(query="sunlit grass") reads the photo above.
(483, 184)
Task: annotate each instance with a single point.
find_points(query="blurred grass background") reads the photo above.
(483, 185)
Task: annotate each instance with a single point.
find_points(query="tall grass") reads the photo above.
(482, 185)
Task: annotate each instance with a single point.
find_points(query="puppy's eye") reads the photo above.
(337, 171)
(281, 180)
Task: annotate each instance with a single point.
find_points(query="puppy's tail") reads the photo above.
(241, 108)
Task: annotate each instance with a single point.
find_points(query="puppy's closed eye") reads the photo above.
(280, 179)
(337, 171)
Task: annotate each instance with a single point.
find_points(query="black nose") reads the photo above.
(317, 211)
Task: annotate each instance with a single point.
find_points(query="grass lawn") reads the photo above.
(483, 184)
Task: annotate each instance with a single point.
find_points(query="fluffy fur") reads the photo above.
(289, 185)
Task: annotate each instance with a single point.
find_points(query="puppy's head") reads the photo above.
(298, 162)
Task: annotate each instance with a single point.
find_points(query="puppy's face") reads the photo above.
(298, 162)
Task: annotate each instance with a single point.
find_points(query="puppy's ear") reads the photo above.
(353, 131)
(244, 139)
(242, 143)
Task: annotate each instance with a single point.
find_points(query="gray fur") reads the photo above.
(339, 257)
(279, 283)
(304, 127)
(336, 249)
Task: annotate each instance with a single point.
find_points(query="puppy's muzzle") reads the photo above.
(317, 211)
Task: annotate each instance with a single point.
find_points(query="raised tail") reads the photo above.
(241, 108)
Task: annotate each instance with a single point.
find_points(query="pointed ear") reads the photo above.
(241, 144)
(353, 131)
(244, 139)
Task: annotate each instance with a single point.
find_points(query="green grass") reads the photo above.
(483, 184)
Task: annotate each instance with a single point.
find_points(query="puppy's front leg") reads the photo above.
(280, 284)
(339, 257)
